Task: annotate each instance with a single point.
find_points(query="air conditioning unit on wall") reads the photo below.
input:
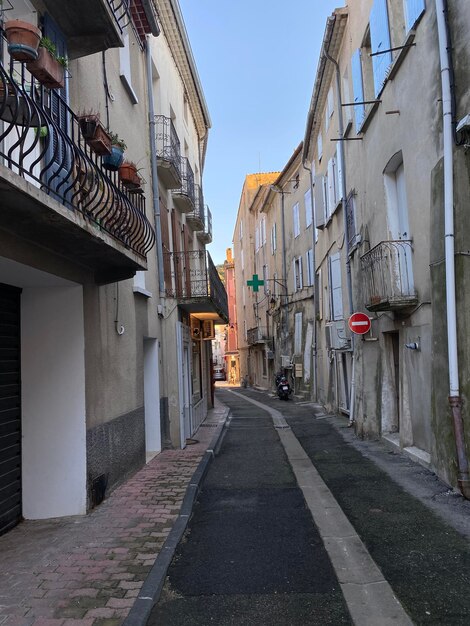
(336, 337)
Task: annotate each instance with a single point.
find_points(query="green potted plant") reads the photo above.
(48, 68)
(118, 146)
(94, 132)
(23, 40)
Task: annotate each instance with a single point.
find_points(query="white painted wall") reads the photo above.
(53, 402)
(153, 439)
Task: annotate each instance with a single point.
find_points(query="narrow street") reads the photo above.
(253, 553)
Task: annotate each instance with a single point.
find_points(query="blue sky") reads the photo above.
(257, 61)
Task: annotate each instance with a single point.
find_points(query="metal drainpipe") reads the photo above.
(352, 392)
(315, 359)
(154, 171)
(455, 400)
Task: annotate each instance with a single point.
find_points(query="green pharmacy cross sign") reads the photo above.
(256, 283)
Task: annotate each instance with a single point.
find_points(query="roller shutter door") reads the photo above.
(10, 408)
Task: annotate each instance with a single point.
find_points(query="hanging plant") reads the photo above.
(114, 160)
(94, 133)
(48, 68)
(23, 40)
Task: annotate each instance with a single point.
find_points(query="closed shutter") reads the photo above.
(358, 88)
(413, 11)
(10, 408)
(336, 293)
(319, 203)
(380, 41)
(58, 152)
(339, 177)
(331, 187)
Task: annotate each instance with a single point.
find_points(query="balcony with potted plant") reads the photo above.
(55, 189)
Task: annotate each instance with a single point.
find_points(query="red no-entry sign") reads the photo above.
(359, 323)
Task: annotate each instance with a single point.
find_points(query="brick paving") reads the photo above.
(87, 571)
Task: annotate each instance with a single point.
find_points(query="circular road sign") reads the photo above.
(359, 323)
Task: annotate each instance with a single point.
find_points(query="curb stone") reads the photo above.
(151, 589)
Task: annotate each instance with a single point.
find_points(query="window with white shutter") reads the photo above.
(358, 87)
(298, 279)
(310, 279)
(296, 219)
(413, 11)
(336, 293)
(298, 333)
(380, 41)
(319, 202)
(273, 238)
(308, 207)
(319, 146)
(331, 187)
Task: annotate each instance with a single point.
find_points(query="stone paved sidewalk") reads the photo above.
(84, 571)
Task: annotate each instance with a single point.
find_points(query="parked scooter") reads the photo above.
(282, 387)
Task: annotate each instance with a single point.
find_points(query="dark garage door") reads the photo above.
(10, 408)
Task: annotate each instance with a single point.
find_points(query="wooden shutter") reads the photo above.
(380, 41)
(319, 203)
(358, 88)
(413, 11)
(165, 245)
(336, 293)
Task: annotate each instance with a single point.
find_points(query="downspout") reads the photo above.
(455, 400)
(315, 330)
(352, 392)
(153, 169)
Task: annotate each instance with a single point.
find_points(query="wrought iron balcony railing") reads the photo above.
(195, 219)
(121, 11)
(185, 196)
(387, 271)
(168, 152)
(192, 278)
(258, 334)
(41, 141)
(205, 236)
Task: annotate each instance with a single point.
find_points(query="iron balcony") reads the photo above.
(258, 334)
(195, 219)
(54, 189)
(192, 278)
(205, 236)
(184, 197)
(387, 272)
(168, 152)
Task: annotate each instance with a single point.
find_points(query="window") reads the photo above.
(351, 219)
(263, 231)
(308, 207)
(380, 42)
(347, 100)
(298, 282)
(358, 87)
(413, 11)
(273, 238)
(241, 230)
(336, 293)
(310, 271)
(319, 146)
(242, 259)
(329, 107)
(257, 228)
(296, 220)
(265, 278)
(298, 333)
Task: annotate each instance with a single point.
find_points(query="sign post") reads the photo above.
(359, 323)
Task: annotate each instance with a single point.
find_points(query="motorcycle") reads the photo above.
(282, 387)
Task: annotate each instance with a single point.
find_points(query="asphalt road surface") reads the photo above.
(253, 555)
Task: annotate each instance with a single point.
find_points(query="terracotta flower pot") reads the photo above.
(47, 70)
(128, 175)
(95, 134)
(23, 40)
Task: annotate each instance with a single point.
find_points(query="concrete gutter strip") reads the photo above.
(369, 597)
(153, 584)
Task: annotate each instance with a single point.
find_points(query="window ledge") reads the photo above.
(130, 90)
(142, 291)
(409, 39)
